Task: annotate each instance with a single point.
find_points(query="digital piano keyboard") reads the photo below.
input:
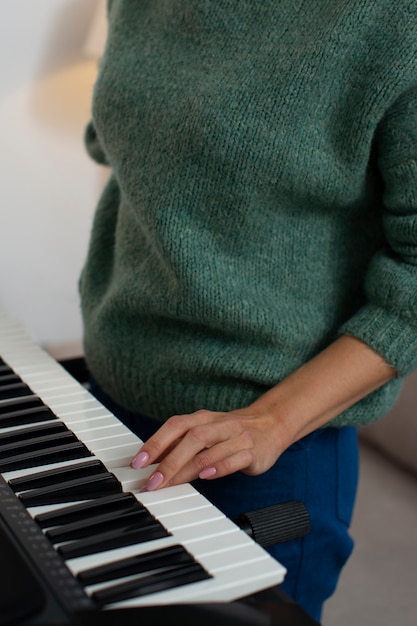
(71, 506)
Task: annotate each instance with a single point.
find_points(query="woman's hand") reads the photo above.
(210, 444)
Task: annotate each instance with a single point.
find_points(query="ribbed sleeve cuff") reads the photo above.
(389, 334)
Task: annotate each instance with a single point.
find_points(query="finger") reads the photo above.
(218, 460)
(162, 442)
(142, 458)
(234, 463)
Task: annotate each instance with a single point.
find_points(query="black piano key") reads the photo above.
(72, 490)
(9, 377)
(15, 404)
(57, 475)
(99, 524)
(26, 416)
(36, 443)
(78, 512)
(119, 538)
(159, 581)
(55, 454)
(138, 564)
(14, 390)
(31, 432)
(6, 370)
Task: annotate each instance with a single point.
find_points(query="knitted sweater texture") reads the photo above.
(262, 201)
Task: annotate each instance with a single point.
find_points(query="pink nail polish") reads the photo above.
(153, 482)
(140, 460)
(207, 472)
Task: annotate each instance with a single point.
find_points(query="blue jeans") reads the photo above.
(321, 470)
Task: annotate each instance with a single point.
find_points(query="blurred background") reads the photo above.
(48, 185)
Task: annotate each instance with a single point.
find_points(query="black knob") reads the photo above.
(276, 523)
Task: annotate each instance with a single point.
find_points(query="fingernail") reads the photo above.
(207, 472)
(140, 460)
(153, 482)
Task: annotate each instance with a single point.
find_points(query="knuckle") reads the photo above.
(227, 466)
(201, 435)
(253, 467)
(246, 439)
(201, 461)
(153, 448)
(249, 456)
(169, 467)
(175, 421)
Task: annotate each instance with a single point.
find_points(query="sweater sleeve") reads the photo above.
(388, 320)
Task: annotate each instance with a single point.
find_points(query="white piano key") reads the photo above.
(150, 498)
(92, 436)
(100, 425)
(80, 412)
(110, 443)
(117, 457)
(65, 401)
(221, 560)
(208, 530)
(90, 418)
(131, 479)
(180, 520)
(48, 379)
(228, 537)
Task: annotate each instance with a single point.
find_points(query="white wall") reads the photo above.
(48, 185)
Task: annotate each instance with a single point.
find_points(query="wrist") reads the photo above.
(320, 390)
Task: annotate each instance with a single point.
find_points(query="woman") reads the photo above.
(249, 295)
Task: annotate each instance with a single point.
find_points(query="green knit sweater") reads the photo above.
(263, 197)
